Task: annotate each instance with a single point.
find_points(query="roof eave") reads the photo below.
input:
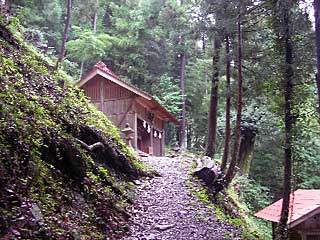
(304, 217)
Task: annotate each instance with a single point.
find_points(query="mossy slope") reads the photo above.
(50, 186)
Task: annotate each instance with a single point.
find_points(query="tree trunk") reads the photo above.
(248, 137)
(182, 135)
(288, 120)
(228, 104)
(213, 111)
(95, 18)
(203, 39)
(81, 69)
(235, 152)
(65, 34)
(317, 32)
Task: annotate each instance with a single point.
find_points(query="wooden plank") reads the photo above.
(127, 110)
(102, 95)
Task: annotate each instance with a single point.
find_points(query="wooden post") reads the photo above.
(102, 83)
(135, 128)
(163, 149)
(151, 140)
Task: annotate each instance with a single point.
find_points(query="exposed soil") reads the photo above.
(166, 209)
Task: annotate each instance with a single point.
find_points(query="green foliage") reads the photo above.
(251, 193)
(88, 46)
(168, 94)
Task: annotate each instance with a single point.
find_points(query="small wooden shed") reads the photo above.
(123, 103)
(304, 214)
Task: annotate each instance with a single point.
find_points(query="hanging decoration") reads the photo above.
(144, 124)
(160, 135)
(148, 129)
(155, 134)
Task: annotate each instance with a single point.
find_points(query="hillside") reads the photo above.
(52, 186)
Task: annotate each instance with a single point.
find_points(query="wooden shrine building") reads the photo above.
(304, 215)
(124, 103)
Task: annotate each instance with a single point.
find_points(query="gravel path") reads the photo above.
(166, 209)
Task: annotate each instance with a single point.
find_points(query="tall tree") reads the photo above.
(316, 5)
(228, 105)
(235, 152)
(95, 16)
(213, 108)
(182, 137)
(65, 34)
(182, 132)
(284, 10)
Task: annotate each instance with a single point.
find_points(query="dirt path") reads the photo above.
(166, 209)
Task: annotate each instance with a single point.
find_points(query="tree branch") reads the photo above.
(89, 148)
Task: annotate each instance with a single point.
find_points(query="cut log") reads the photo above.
(207, 170)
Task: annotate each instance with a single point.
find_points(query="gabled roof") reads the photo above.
(101, 69)
(303, 204)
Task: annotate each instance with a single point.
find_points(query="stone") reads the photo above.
(137, 182)
(36, 212)
(163, 227)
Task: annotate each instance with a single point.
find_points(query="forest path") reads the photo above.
(166, 209)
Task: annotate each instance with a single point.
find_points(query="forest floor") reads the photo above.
(165, 207)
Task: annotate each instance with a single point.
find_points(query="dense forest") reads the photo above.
(241, 76)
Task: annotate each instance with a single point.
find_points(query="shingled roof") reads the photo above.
(303, 204)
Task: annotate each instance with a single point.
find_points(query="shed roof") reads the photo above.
(303, 204)
(101, 69)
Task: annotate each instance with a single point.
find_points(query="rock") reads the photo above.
(151, 237)
(137, 182)
(15, 232)
(183, 212)
(163, 227)
(36, 212)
